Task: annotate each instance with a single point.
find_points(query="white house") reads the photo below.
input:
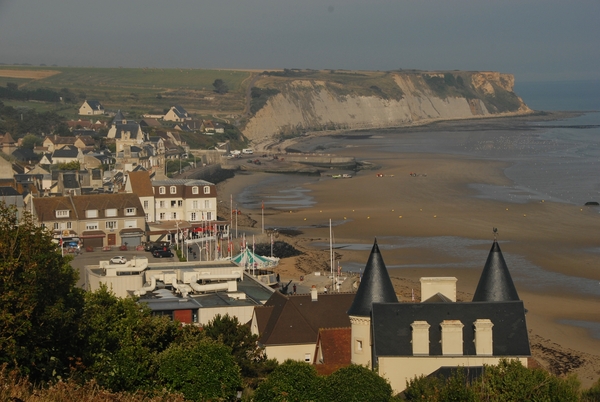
(91, 107)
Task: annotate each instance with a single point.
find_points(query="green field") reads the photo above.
(141, 90)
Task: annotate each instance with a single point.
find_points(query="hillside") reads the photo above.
(301, 101)
(284, 103)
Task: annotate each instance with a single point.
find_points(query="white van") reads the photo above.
(235, 152)
(248, 151)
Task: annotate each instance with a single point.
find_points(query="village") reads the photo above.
(161, 240)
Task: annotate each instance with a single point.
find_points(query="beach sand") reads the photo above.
(438, 203)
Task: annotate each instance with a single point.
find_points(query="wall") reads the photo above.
(398, 370)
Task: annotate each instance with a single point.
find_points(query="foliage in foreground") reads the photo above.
(40, 306)
(298, 381)
(508, 381)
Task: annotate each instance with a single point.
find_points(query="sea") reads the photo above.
(556, 160)
(552, 160)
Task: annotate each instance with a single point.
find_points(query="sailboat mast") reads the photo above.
(331, 255)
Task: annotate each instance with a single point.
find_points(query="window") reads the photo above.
(173, 190)
(69, 225)
(195, 190)
(206, 189)
(180, 203)
(358, 345)
(62, 213)
(129, 211)
(209, 216)
(111, 224)
(173, 215)
(56, 226)
(161, 204)
(206, 204)
(91, 226)
(194, 204)
(161, 190)
(110, 212)
(146, 204)
(130, 224)
(91, 213)
(173, 203)
(161, 216)
(146, 217)
(307, 357)
(193, 216)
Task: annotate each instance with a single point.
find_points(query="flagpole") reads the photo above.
(263, 216)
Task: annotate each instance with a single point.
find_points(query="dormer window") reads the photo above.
(62, 213)
(91, 213)
(173, 190)
(206, 189)
(195, 190)
(110, 212)
(129, 211)
(452, 337)
(162, 190)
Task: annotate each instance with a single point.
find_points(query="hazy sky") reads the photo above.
(535, 40)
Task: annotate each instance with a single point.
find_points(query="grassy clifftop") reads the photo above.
(279, 101)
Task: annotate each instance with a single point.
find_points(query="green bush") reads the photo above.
(356, 384)
(203, 370)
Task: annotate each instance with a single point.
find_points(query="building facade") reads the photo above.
(94, 220)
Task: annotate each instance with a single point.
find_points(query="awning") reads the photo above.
(131, 232)
(90, 234)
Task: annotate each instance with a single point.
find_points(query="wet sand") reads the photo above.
(550, 245)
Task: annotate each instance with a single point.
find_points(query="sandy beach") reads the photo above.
(431, 223)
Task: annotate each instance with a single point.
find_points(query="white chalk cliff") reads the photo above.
(304, 104)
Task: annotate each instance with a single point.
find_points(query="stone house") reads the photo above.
(91, 107)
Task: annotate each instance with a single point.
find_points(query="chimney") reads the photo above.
(430, 286)
(313, 293)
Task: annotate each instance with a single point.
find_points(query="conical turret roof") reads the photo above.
(495, 283)
(375, 286)
(118, 119)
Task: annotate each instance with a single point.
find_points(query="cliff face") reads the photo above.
(304, 104)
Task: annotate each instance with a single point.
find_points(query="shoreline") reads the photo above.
(547, 239)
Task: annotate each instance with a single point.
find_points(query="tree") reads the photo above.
(30, 141)
(40, 305)
(356, 383)
(203, 370)
(291, 381)
(74, 165)
(220, 86)
(244, 347)
(120, 340)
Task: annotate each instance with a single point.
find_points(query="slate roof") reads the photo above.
(4, 191)
(94, 104)
(70, 180)
(25, 154)
(118, 117)
(392, 333)
(495, 283)
(375, 286)
(296, 319)
(65, 152)
(180, 111)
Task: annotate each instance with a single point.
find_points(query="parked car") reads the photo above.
(162, 253)
(158, 245)
(119, 259)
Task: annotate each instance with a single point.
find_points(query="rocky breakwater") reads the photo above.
(306, 100)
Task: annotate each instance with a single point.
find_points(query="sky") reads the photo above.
(550, 40)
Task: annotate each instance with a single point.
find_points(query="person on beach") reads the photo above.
(278, 278)
(294, 288)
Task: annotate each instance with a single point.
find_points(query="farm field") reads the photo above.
(139, 90)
